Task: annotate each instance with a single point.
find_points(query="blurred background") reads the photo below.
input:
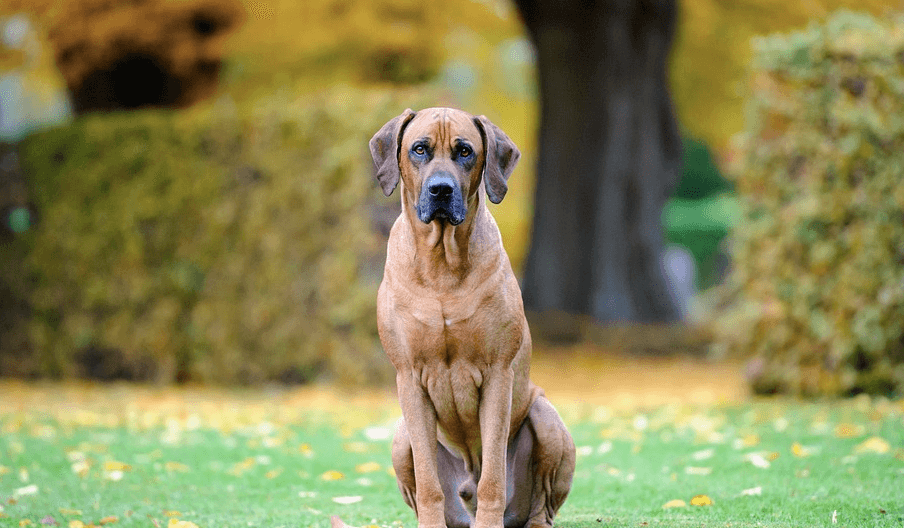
(706, 185)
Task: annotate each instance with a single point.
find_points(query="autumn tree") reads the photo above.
(609, 154)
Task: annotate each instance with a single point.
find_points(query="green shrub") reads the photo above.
(818, 282)
(207, 245)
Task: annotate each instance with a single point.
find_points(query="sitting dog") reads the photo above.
(478, 443)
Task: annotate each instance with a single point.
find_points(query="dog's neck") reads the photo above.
(443, 252)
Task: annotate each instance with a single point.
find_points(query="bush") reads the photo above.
(205, 245)
(818, 282)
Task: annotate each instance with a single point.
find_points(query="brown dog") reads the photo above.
(478, 443)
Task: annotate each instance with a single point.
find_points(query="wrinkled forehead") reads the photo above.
(443, 126)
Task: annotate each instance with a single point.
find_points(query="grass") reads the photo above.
(73, 454)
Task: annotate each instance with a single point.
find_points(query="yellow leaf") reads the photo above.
(81, 468)
(750, 440)
(25, 522)
(799, 450)
(674, 503)
(76, 524)
(306, 450)
(4, 470)
(172, 513)
(273, 473)
(875, 445)
(773, 456)
(367, 467)
(176, 466)
(332, 475)
(114, 465)
(355, 447)
(176, 523)
(701, 500)
(846, 430)
(110, 519)
(67, 511)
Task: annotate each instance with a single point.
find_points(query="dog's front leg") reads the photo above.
(420, 419)
(495, 416)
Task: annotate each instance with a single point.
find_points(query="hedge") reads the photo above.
(817, 289)
(209, 245)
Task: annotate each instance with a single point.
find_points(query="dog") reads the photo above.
(478, 444)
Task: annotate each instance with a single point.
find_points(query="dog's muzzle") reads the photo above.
(441, 198)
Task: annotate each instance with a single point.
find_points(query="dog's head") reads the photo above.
(441, 155)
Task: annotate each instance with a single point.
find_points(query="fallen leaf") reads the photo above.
(799, 451)
(172, 513)
(348, 499)
(332, 475)
(25, 522)
(704, 454)
(701, 500)
(875, 445)
(846, 430)
(75, 523)
(67, 511)
(273, 473)
(114, 465)
(176, 523)
(377, 433)
(757, 460)
(176, 466)
(31, 489)
(355, 447)
(367, 467)
(674, 503)
(110, 519)
(81, 468)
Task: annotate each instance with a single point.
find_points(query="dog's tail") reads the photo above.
(336, 522)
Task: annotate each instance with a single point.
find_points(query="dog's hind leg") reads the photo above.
(553, 462)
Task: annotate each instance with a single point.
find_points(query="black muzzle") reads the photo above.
(441, 198)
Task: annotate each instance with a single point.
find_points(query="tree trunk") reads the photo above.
(609, 155)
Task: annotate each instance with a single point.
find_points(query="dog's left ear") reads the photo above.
(384, 147)
(501, 157)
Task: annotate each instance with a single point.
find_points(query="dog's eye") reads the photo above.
(419, 150)
(464, 152)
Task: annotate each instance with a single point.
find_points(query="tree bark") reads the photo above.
(609, 155)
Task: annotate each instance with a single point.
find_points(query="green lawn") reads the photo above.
(154, 457)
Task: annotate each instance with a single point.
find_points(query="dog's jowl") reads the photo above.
(478, 443)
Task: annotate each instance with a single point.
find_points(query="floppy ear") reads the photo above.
(500, 159)
(384, 147)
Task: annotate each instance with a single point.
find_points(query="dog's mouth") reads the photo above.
(430, 212)
(441, 199)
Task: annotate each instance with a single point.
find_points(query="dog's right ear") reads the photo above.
(385, 146)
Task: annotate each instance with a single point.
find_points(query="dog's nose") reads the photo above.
(440, 186)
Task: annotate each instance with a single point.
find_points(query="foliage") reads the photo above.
(712, 53)
(215, 245)
(170, 51)
(139, 457)
(818, 280)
